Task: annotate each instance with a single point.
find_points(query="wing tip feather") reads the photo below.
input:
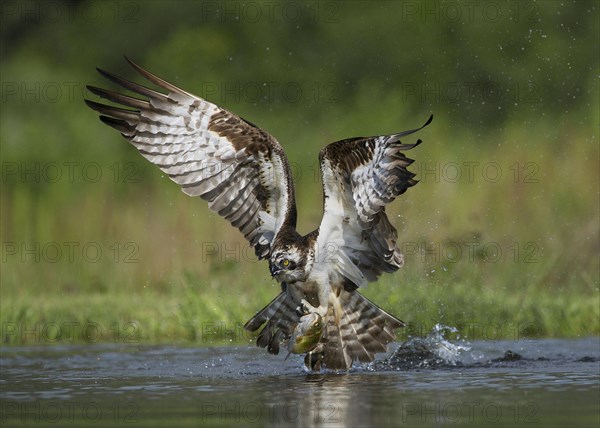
(120, 125)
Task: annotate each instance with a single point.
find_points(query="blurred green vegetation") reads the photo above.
(501, 235)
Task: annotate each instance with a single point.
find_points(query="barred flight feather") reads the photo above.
(210, 152)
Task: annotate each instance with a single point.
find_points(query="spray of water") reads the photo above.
(433, 350)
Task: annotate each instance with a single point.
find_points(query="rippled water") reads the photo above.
(427, 382)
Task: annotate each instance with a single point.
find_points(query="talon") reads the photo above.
(307, 306)
(301, 310)
(313, 360)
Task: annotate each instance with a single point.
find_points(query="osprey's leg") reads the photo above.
(319, 297)
(321, 309)
(328, 297)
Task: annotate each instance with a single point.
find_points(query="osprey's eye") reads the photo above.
(288, 264)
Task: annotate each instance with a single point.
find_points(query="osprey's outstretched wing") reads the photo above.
(210, 152)
(361, 176)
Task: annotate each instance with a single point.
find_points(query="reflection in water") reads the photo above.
(331, 397)
(313, 400)
(328, 399)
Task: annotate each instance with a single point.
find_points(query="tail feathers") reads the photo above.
(280, 318)
(356, 329)
(364, 329)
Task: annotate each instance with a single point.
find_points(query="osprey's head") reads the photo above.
(290, 264)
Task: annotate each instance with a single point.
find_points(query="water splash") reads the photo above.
(431, 351)
(448, 352)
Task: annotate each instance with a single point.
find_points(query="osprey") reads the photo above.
(244, 174)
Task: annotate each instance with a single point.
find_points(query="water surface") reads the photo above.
(549, 383)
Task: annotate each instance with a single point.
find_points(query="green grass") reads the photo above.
(157, 282)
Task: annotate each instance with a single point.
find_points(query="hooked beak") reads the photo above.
(274, 269)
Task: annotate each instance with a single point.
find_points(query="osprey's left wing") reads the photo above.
(241, 170)
(360, 177)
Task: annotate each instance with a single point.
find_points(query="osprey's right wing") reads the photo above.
(241, 170)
